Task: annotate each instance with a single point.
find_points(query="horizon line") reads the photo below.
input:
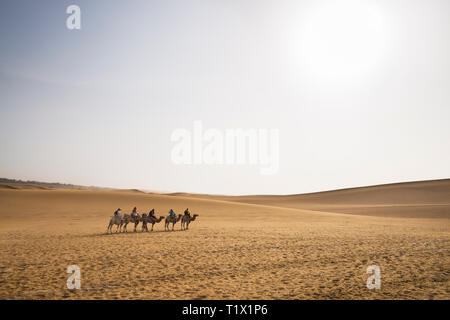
(19, 181)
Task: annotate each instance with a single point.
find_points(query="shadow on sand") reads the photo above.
(104, 234)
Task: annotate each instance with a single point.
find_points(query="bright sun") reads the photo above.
(341, 39)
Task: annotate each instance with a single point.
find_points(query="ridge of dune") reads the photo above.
(418, 199)
(373, 192)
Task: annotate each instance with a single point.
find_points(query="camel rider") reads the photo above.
(117, 213)
(187, 212)
(134, 213)
(152, 213)
(172, 213)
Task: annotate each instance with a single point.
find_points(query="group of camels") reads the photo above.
(122, 222)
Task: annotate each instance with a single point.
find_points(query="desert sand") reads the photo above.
(312, 246)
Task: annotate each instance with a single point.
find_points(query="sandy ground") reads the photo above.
(259, 247)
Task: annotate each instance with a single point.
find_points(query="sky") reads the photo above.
(358, 91)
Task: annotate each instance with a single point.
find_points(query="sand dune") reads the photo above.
(237, 249)
(421, 199)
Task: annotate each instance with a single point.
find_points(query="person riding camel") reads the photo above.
(152, 213)
(134, 213)
(187, 212)
(172, 213)
(117, 213)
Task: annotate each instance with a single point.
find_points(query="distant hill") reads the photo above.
(31, 184)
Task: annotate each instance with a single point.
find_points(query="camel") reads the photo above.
(128, 218)
(173, 220)
(186, 220)
(149, 219)
(115, 220)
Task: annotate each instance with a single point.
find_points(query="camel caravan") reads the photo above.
(121, 222)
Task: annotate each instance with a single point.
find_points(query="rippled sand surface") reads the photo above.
(236, 249)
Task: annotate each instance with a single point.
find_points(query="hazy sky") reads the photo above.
(359, 91)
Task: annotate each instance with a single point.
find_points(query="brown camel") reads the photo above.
(149, 219)
(186, 220)
(128, 218)
(173, 220)
(115, 220)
